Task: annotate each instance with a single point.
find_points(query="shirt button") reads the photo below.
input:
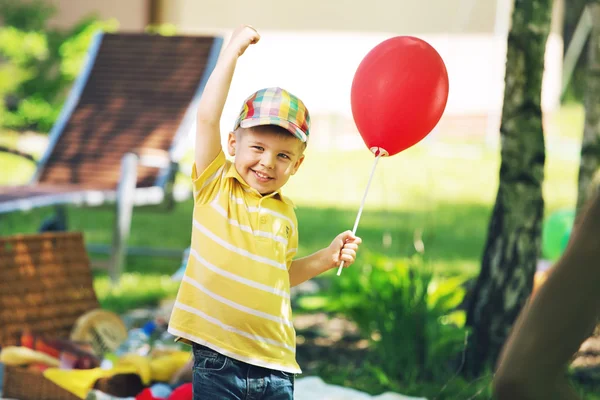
(263, 220)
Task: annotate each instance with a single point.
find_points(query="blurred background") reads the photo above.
(428, 208)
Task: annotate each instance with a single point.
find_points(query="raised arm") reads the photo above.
(210, 109)
(561, 315)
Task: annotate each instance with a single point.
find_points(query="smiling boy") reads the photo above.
(233, 305)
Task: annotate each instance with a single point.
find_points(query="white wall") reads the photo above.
(322, 72)
(399, 16)
(314, 48)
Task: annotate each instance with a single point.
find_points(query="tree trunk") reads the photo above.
(513, 241)
(590, 144)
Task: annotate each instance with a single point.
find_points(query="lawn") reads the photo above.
(444, 190)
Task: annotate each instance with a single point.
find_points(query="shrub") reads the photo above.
(410, 318)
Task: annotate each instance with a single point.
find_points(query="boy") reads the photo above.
(233, 305)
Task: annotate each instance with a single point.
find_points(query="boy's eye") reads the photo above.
(258, 148)
(284, 156)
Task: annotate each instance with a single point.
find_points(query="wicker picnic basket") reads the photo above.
(45, 286)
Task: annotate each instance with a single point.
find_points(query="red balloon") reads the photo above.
(399, 93)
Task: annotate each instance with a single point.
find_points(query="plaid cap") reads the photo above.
(275, 106)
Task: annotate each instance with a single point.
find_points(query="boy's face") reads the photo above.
(265, 158)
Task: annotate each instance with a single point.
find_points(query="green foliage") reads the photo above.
(575, 91)
(39, 63)
(28, 16)
(410, 318)
(33, 111)
(74, 47)
(23, 48)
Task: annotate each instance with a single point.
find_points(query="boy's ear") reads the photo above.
(298, 164)
(231, 143)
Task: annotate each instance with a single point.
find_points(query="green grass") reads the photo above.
(448, 198)
(127, 294)
(445, 189)
(568, 122)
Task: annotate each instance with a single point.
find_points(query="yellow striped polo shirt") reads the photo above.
(235, 295)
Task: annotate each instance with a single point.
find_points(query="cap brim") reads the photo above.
(287, 125)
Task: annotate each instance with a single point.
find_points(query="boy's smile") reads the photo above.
(263, 177)
(265, 156)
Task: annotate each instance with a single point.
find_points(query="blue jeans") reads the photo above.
(218, 377)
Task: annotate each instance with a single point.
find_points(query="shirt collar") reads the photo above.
(233, 173)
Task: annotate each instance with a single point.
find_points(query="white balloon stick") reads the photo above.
(379, 153)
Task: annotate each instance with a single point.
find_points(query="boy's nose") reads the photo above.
(267, 161)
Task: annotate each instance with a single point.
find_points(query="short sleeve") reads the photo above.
(207, 184)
